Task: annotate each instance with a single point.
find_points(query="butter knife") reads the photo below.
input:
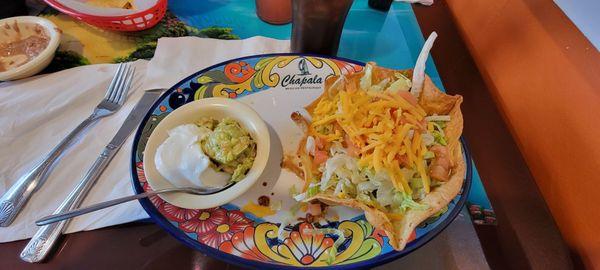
(44, 239)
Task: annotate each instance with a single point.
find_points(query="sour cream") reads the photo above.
(181, 161)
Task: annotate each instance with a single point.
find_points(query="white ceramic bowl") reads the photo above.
(43, 59)
(217, 108)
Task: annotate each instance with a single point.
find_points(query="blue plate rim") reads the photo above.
(159, 219)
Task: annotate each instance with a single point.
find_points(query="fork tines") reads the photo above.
(120, 84)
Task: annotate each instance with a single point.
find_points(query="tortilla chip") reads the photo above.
(432, 100)
(124, 4)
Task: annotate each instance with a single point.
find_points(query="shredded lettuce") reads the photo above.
(439, 138)
(416, 184)
(365, 198)
(365, 80)
(377, 177)
(380, 86)
(345, 188)
(403, 202)
(331, 165)
(385, 193)
(349, 189)
(438, 118)
(401, 84)
(312, 190)
(342, 174)
(366, 187)
(438, 133)
(342, 166)
(334, 181)
(439, 125)
(337, 148)
(408, 173)
(339, 187)
(300, 197)
(310, 145)
(428, 155)
(379, 182)
(427, 138)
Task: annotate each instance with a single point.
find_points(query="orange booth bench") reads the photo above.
(545, 78)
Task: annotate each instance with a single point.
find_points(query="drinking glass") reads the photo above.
(317, 25)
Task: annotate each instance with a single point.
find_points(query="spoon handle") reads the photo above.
(95, 207)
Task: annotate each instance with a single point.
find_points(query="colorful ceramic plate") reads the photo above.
(275, 86)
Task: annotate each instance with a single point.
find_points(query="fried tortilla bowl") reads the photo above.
(398, 227)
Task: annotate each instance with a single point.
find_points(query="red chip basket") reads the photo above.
(132, 22)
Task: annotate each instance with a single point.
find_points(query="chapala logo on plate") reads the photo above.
(302, 77)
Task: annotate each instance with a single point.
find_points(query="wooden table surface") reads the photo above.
(526, 234)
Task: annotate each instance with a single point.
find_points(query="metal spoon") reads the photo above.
(95, 207)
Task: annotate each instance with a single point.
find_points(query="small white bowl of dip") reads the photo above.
(27, 46)
(215, 108)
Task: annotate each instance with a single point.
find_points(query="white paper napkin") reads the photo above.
(36, 113)
(177, 58)
(422, 2)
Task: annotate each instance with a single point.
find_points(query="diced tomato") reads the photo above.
(393, 114)
(441, 164)
(408, 96)
(351, 148)
(320, 157)
(319, 143)
(423, 125)
(403, 160)
(440, 150)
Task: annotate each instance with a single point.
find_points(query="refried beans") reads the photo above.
(20, 43)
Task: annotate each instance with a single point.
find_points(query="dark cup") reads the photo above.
(12, 8)
(317, 25)
(383, 5)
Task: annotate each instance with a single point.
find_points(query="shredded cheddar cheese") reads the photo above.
(385, 127)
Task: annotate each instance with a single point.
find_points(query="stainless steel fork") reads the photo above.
(15, 198)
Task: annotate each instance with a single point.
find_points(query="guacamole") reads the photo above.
(229, 146)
